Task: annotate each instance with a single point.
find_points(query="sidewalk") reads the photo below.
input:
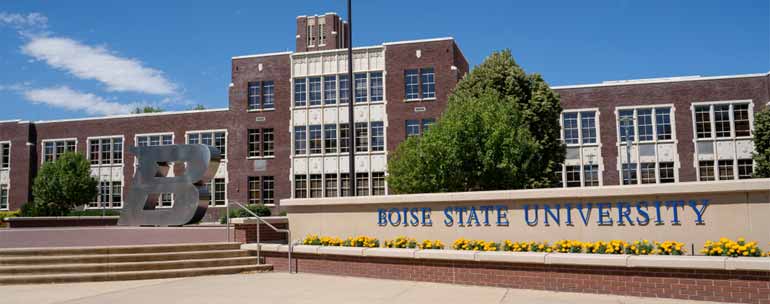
(288, 288)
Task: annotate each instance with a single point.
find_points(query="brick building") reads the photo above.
(285, 132)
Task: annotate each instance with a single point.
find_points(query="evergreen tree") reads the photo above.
(762, 143)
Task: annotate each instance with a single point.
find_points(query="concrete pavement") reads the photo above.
(288, 288)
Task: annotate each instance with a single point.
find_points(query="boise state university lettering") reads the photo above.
(640, 213)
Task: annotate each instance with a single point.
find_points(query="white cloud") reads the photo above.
(87, 62)
(69, 99)
(19, 21)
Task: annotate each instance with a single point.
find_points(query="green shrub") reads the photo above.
(61, 185)
(235, 211)
(93, 212)
(4, 214)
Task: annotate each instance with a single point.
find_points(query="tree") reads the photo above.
(762, 143)
(61, 185)
(500, 131)
(146, 109)
(198, 107)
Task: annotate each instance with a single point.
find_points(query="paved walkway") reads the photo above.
(288, 288)
(110, 236)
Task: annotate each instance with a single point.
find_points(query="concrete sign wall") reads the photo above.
(685, 212)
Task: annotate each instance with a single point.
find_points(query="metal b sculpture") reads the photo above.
(191, 195)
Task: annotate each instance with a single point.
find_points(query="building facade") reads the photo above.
(285, 133)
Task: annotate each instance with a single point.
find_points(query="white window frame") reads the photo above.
(123, 153)
(54, 140)
(620, 145)
(581, 145)
(212, 131)
(714, 139)
(8, 193)
(10, 153)
(111, 203)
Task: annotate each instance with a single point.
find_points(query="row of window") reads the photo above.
(317, 139)
(5, 155)
(722, 120)
(651, 124)
(216, 139)
(3, 197)
(416, 127)
(106, 151)
(313, 91)
(110, 195)
(709, 170)
(419, 84)
(261, 142)
(336, 185)
(589, 177)
(310, 32)
(579, 127)
(261, 95)
(648, 173)
(54, 149)
(261, 189)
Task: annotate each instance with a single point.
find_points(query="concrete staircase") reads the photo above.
(91, 264)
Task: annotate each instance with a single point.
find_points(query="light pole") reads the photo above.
(351, 99)
(628, 122)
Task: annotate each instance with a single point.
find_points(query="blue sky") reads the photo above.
(68, 59)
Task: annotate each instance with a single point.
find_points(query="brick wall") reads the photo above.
(22, 156)
(690, 284)
(247, 233)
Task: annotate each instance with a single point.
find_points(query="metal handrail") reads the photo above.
(259, 243)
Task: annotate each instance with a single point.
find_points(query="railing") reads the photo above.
(259, 243)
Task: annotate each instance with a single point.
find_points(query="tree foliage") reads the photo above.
(500, 131)
(146, 109)
(762, 143)
(61, 185)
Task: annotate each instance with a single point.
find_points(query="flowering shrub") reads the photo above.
(568, 246)
(361, 241)
(727, 247)
(401, 242)
(428, 244)
(601, 247)
(475, 245)
(530, 246)
(313, 239)
(669, 248)
(643, 247)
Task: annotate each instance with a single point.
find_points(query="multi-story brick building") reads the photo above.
(286, 130)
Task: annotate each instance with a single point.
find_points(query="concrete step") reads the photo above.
(122, 258)
(122, 267)
(55, 251)
(129, 275)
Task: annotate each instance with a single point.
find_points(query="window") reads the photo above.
(106, 151)
(666, 172)
(216, 139)
(378, 136)
(4, 197)
(629, 174)
(644, 124)
(330, 183)
(344, 184)
(261, 142)
(571, 129)
(362, 137)
(703, 122)
(591, 175)
(5, 155)
(300, 93)
(745, 168)
(261, 95)
(360, 87)
(321, 33)
(53, 149)
(330, 138)
(344, 138)
(300, 140)
(588, 127)
(310, 34)
(375, 85)
(362, 184)
(166, 200)
(300, 186)
(344, 89)
(254, 95)
(412, 128)
(154, 140)
(378, 183)
(110, 195)
(626, 125)
(741, 118)
(725, 169)
(261, 189)
(316, 189)
(315, 91)
(648, 173)
(573, 176)
(268, 95)
(706, 170)
(330, 90)
(722, 120)
(426, 123)
(315, 139)
(218, 192)
(412, 84)
(428, 80)
(663, 123)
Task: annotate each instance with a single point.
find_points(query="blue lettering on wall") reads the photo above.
(551, 214)
(486, 209)
(502, 215)
(604, 212)
(568, 222)
(448, 220)
(381, 217)
(624, 211)
(472, 218)
(413, 220)
(391, 212)
(587, 215)
(641, 208)
(526, 215)
(426, 221)
(699, 212)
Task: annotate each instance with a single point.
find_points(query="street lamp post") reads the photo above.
(351, 99)
(628, 122)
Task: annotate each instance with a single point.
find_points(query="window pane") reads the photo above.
(220, 142)
(362, 137)
(629, 174)
(253, 95)
(5, 156)
(428, 83)
(106, 151)
(663, 123)
(644, 124)
(300, 186)
(315, 91)
(666, 172)
(426, 123)
(360, 87)
(344, 138)
(268, 190)
(378, 136)
(117, 150)
(412, 84)
(330, 89)
(573, 176)
(167, 140)
(330, 138)
(571, 129)
(648, 173)
(268, 142)
(375, 85)
(588, 127)
(741, 117)
(219, 192)
(268, 95)
(412, 128)
(3, 196)
(722, 120)
(330, 183)
(254, 190)
(378, 183)
(726, 169)
(745, 168)
(300, 93)
(254, 142)
(300, 138)
(316, 189)
(344, 184)
(706, 170)
(315, 139)
(362, 184)
(591, 175)
(344, 89)
(95, 151)
(117, 195)
(626, 125)
(703, 122)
